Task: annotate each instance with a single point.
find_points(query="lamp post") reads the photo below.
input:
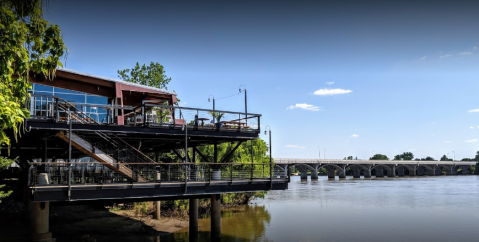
(245, 103)
(270, 157)
(213, 106)
(319, 152)
(454, 155)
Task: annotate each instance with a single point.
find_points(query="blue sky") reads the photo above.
(404, 75)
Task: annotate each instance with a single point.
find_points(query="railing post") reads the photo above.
(169, 172)
(231, 173)
(252, 166)
(186, 178)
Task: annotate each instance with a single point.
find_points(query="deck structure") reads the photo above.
(70, 152)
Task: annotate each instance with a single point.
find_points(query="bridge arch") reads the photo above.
(412, 170)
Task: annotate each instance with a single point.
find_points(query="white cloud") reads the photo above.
(471, 127)
(336, 91)
(305, 106)
(411, 149)
(473, 111)
(295, 146)
(471, 141)
(355, 135)
(465, 53)
(423, 58)
(330, 83)
(447, 142)
(475, 47)
(444, 56)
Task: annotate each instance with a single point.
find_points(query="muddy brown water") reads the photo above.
(435, 209)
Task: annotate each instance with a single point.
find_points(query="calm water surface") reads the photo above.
(435, 209)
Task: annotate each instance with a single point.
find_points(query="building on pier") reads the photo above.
(93, 138)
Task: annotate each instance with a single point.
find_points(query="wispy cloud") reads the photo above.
(471, 127)
(411, 149)
(473, 111)
(330, 83)
(336, 91)
(447, 142)
(355, 135)
(465, 53)
(295, 146)
(475, 47)
(305, 106)
(471, 141)
(444, 56)
(423, 58)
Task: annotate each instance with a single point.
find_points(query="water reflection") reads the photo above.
(388, 209)
(244, 223)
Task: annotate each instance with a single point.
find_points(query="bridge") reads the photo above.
(368, 168)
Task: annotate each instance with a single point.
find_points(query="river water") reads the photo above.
(444, 208)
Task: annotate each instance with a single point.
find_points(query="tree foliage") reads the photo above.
(4, 164)
(152, 75)
(28, 43)
(444, 158)
(379, 157)
(404, 156)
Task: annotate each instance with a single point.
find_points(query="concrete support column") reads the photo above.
(157, 213)
(40, 215)
(379, 171)
(356, 173)
(438, 171)
(304, 174)
(392, 172)
(412, 172)
(453, 170)
(314, 174)
(342, 173)
(465, 170)
(193, 220)
(420, 171)
(330, 172)
(367, 173)
(401, 171)
(215, 217)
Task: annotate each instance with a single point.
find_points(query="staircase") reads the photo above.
(113, 146)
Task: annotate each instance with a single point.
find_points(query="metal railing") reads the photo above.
(94, 173)
(148, 114)
(392, 162)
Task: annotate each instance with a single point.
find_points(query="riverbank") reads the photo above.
(81, 223)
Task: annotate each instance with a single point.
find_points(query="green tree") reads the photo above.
(4, 164)
(152, 75)
(379, 157)
(28, 44)
(404, 156)
(444, 158)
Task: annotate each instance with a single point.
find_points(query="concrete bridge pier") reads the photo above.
(314, 174)
(331, 174)
(401, 171)
(40, 216)
(379, 171)
(356, 172)
(437, 171)
(420, 171)
(391, 172)
(465, 170)
(452, 170)
(367, 173)
(342, 173)
(215, 217)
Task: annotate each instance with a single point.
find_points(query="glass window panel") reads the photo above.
(42, 88)
(72, 98)
(96, 99)
(61, 90)
(44, 93)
